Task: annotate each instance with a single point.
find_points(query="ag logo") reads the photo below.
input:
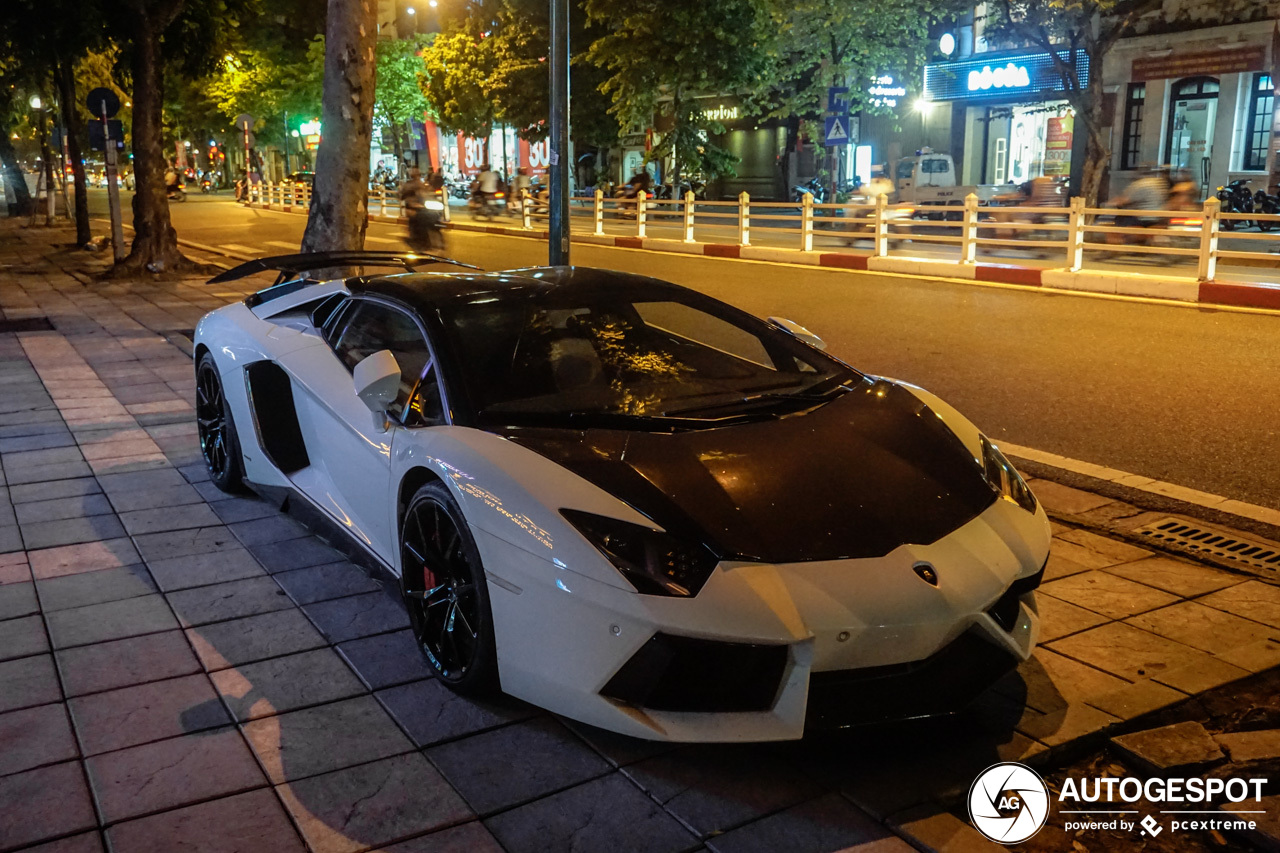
(1008, 803)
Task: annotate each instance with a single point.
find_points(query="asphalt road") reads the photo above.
(1185, 395)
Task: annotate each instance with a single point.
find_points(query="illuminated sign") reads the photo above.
(884, 93)
(1009, 76)
(722, 113)
(1003, 77)
(309, 128)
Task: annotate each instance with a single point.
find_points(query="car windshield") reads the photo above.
(559, 358)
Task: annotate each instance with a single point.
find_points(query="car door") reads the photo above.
(349, 475)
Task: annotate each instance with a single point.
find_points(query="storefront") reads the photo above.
(1009, 120)
(1199, 101)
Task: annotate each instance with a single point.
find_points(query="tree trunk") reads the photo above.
(65, 79)
(155, 243)
(339, 209)
(12, 174)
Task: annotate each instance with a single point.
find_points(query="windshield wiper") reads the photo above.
(769, 397)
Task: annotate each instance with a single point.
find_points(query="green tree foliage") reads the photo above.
(458, 67)
(399, 98)
(662, 56)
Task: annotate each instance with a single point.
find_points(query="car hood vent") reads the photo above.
(857, 477)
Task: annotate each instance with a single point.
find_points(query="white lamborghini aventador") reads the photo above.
(627, 502)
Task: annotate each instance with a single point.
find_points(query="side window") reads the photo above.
(698, 327)
(426, 408)
(368, 327)
(326, 310)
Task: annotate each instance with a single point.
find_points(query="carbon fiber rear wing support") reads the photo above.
(292, 266)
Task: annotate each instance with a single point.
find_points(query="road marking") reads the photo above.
(371, 239)
(279, 244)
(1266, 515)
(236, 247)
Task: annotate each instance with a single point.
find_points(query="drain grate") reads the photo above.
(28, 324)
(1202, 540)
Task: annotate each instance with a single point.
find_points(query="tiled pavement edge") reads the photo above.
(178, 664)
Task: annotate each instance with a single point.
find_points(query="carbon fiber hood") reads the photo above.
(858, 476)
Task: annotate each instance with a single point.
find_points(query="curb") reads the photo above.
(1256, 295)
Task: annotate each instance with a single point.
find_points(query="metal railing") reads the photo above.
(1075, 234)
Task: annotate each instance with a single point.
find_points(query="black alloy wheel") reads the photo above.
(445, 592)
(218, 442)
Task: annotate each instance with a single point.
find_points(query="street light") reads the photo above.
(36, 103)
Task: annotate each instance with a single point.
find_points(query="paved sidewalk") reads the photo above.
(180, 669)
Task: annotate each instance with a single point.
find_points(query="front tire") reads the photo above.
(219, 443)
(445, 593)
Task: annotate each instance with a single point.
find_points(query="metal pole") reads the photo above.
(113, 188)
(558, 203)
(287, 170)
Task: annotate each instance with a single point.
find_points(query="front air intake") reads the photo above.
(671, 673)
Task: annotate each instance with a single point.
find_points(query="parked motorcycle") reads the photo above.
(1264, 202)
(813, 187)
(1236, 198)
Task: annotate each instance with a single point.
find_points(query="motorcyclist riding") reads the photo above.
(423, 220)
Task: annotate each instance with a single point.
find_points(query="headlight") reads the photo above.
(654, 562)
(1004, 478)
(433, 205)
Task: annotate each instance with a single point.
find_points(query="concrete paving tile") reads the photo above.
(385, 660)
(231, 600)
(39, 441)
(357, 616)
(127, 501)
(1181, 746)
(114, 620)
(1250, 746)
(1204, 674)
(44, 803)
(1134, 700)
(34, 737)
(1052, 681)
(1252, 599)
(828, 823)
(54, 490)
(27, 682)
(373, 804)
(10, 540)
(272, 528)
(197, 473)
(41, 458)
(128, 464)
(1080, 555)
(467, 838)
(320, 583)
(1107, 594)
(171, 773)
(1115, 549)
(235, 509)
(1176, 576)
(63, 593)
(1255, 657)
(273, 686)
(18, 599)
(203, 569)
(295, 554)
(118, 449)
(930, 829)
(1200, 627)
(21, 637)
(43, 415)
(1059, 618)
(327, 737)
(714, 789)
(604, 814)
(182, 543)
(504, 767)
(88, 842)
(254, 638)
(86, 557)
(70, 531)
(253, 821)
(618, 750)
(46, 473)
(120, 663)
(432, 713)
(80, 506)
(146, 712)
(144, 481)
(1126, 651)
(143, 521)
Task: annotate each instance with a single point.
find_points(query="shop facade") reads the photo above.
(1202, 102)
(1008, 121)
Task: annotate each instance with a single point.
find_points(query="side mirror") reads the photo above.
(797, 331)
(377, 380)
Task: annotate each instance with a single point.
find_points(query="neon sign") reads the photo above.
(1008, 77)
(722, 113)
(884, 93)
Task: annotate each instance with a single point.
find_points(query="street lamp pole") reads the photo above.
(558, 203)
(47, 155)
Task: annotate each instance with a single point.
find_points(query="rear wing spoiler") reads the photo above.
(292, 266)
